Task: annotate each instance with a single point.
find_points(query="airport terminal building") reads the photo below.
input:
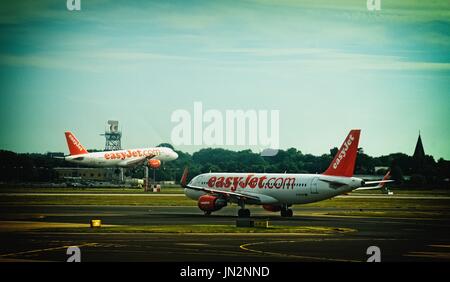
(91, 174)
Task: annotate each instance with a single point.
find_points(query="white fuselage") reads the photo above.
(122, 158)
(276, 188)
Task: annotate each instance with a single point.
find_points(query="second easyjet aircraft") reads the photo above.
(121, 158)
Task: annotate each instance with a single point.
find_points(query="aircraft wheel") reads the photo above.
(207, 213)
(287, 213)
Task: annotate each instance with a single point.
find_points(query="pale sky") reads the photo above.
(327, 66)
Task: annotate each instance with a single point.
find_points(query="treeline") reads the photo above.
(404, 169)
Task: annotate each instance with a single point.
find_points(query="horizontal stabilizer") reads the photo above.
(380, 183)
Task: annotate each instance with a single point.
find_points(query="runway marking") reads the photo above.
(191, 244)
(183, 234)
(48, 249)
(21, 260)
(439, 246)
(18, 225)
(45, 215)
(190, 251)
(437, 255)
(324, 214)
(245, 247)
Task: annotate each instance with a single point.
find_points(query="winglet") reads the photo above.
(386, 177)
(343, 163)
(184, 177)
(380, 183)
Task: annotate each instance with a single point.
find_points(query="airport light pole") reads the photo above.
(146, 178)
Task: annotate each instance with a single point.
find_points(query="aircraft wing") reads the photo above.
(61, 158)
(380, 183)
(136, 161)
(236, 195)
(333, 182)
(379, 186)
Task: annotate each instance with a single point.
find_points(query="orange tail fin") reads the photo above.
(343, 163)
(75, 147)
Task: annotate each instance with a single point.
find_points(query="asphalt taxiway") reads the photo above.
(358, 196)
(399, 239)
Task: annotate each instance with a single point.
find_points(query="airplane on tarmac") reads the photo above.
(120, 158)
(277, 192)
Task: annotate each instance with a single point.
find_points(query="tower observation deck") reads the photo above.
(113, 136)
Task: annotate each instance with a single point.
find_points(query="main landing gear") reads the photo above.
(286, 212)
(243, 212)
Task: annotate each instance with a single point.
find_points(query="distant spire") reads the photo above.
(419, 152)
(419, 157)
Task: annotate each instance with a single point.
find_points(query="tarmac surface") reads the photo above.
(399, 239)
(359, 196)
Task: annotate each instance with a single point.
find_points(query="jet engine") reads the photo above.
(210, 203)
(272, 208)
(152, 163)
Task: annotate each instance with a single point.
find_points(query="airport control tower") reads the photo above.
(113, 136)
